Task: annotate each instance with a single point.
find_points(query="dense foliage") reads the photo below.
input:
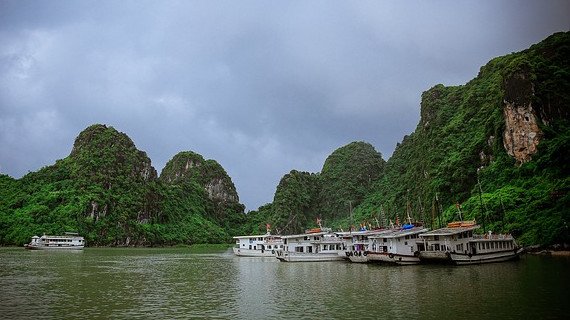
(459, 160)
(460, 140)
(301, 198)
(108, 191)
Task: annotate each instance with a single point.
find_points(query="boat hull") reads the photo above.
(253, 253)
(498, 256)
(435, 257)
(59, 248)
(308, 257)
(400, 259)
(358, 257)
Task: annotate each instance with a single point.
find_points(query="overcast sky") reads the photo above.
(262, 87)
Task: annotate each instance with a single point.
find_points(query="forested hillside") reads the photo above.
(496, 148)
(509, 129)
(347, 176)
(108, 191)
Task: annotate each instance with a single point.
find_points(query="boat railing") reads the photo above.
(493, 236)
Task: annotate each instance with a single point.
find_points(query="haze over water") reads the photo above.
(181, 284)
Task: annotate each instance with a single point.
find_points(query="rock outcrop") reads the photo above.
(522, 133)
(190, 167)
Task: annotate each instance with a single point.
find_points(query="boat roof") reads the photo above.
(67, 236)
(360, 232)
(447, 231)
(400, 232)
(267, 235)
(308, 234)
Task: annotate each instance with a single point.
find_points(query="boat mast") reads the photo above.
(481, 201)
(350, 211)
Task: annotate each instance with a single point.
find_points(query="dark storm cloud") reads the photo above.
(261, 87)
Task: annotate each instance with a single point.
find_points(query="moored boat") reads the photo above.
(401, 246)
(441, 242)
(457, 244)
(319, 244)
(69, 241)
(257, 245)
(487, 248)
(357, 244)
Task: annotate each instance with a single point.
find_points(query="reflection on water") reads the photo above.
(177, 283)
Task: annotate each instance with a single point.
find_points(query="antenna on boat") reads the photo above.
(458, 206)
(408, 207)
(350, 211)
(383, 216)
(481, 200)
(422, 218)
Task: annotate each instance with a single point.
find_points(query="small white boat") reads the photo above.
(401, 246)
(69, 241)
(319, 244)
(457, 244)
(258, 246)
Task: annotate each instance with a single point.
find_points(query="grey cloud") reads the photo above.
(261, 87)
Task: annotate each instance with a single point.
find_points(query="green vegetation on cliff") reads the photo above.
(348, 174)
(108, 191)
(489, 129)
(499, 146)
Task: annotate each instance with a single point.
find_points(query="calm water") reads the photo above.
(182, 284)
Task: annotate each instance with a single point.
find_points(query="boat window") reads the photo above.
(436, 247)
(406, 243)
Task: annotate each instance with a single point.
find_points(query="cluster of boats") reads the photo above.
(403, 245)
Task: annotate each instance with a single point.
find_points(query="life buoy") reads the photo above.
(365, 253)
(391, 255)
(347, 254)
(272, 251)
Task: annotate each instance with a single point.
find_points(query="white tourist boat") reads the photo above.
(257, 246)
(319, 244)
(441, 242)
(457, 244)
(353, 242)
(356, 244)
(401, 246)
(69, 241)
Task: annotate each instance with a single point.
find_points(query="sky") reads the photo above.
(262, 87)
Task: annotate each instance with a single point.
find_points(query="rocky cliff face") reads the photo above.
(104, 149)
(112, 177)
(522, 133)
(188, 167)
